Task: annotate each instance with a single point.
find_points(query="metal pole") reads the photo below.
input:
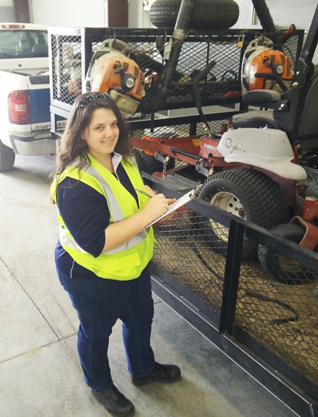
(231, 277)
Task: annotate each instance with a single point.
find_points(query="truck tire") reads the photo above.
(7, 157)
(248, 194)
(207, 14)
(281, 268)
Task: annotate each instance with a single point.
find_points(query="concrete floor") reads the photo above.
(40, 373)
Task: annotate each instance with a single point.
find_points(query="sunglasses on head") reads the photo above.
(93, 97)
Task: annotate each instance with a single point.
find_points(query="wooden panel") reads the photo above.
(21, 10)
(116, 13)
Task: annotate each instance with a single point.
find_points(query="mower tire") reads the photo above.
(281, 268)
(207, 14)
(249, 194)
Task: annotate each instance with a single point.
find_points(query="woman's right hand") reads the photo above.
(156, 207)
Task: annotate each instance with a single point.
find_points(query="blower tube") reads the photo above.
(196, 92)
(159, 99)
(264, 15)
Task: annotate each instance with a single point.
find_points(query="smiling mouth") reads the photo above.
(108, 142)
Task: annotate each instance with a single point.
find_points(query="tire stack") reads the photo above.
(207, 14)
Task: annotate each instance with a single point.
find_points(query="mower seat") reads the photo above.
(277, 117)
(268, 99)
(261, 96)
(256, 119)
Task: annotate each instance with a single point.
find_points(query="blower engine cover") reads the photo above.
(120, 77)
(261, 57)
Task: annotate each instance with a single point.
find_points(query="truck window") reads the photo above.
(23, 43)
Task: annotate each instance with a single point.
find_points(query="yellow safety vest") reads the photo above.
(127, 261)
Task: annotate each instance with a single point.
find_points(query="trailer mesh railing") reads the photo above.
(70, 56)
(277, 299)
(66, 61)
(278, 307)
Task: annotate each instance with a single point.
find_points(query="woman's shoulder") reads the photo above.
(74, 188)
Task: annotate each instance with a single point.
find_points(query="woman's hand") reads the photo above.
(155, 207)
(168, 200)
(119, 233)
(152, 193)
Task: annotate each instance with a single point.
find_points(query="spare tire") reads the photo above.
(207, 14)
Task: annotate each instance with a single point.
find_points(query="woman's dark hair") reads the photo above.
(72, 145)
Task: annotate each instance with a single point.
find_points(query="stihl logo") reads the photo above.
(228, 143)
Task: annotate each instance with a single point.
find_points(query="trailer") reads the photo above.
(206, 262)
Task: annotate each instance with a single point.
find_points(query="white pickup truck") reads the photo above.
(25, 121)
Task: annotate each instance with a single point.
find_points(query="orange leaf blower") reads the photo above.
(112, 71)
(260, 57)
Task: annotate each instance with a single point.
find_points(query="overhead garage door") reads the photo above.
(76, 13)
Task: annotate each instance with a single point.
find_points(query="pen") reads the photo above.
(143, 192)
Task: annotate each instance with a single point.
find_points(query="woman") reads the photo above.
(103, 252)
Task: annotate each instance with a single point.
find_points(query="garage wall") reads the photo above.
(76, 13)
(80, 13)
(283, 12)
(135, 12)
(6, 11)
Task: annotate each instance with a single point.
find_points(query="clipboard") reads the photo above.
(186, 198)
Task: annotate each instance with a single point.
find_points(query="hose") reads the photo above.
(276, 301)
(197, 96)
(264, 15)
(254, 294)
(159, 100)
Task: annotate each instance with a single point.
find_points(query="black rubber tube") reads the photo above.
(196, 89)
(272, 76)
(264, 15)
(197, 95)
(159, 99)
(144, 62)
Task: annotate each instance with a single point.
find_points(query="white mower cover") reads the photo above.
(269, 149)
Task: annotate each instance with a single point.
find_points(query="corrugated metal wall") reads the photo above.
(77, 13)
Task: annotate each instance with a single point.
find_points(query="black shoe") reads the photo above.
(160, 373)
(114, 402)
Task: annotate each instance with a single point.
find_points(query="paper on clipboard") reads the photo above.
(177, 204)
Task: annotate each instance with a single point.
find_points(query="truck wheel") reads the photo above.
(245, 193)
(207, 14)
(281, 268)
(7, 157)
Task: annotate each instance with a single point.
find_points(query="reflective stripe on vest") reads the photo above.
(127, 261)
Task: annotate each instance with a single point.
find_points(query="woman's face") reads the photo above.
(102, 133)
